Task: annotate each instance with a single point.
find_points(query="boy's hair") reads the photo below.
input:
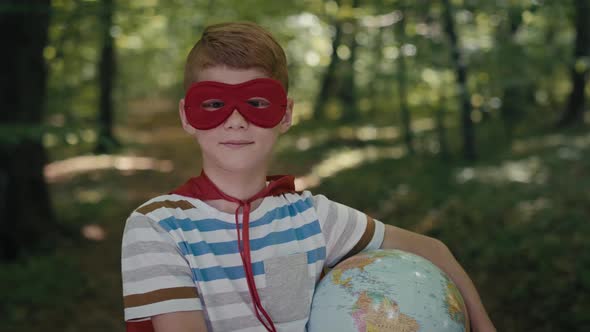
(239, 45)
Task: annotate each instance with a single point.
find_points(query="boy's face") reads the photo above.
(236, 144)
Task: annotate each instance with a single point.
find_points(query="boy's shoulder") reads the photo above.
(163, 206)
(166, 201)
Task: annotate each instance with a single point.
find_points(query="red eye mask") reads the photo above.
(262, 101)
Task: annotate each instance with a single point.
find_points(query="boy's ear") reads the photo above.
(286, 122)
(185, 125)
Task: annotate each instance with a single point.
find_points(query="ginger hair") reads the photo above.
(239, 45)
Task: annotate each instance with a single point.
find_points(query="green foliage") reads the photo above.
(523, 242)
(37, 283)
(516, 53)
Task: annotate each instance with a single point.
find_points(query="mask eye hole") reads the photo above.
(259, 102)
(212, 104)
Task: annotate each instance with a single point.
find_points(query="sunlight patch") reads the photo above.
(362, 133)
(93, 232)
(579, 142)
(67, 168)
(345, 159)
(530, 170)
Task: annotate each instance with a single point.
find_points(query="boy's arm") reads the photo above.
(182, 321)
(438, 253)
(157, 279)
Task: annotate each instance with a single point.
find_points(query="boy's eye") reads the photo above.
(212, 105)
(259, 102)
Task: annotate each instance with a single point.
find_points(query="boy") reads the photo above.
(233, 250)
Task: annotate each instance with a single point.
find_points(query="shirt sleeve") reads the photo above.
(156, 277)
(347, 231)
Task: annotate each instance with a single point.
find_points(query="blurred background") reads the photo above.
(460, 119)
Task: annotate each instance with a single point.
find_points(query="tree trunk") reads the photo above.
(402, 85)
(510, 92)
(461, 72)
(441, 131)
(26, 218)
(375, 90)
(518, 90)
(106, 69)
(348, 93)
(328, 80)
(574, 113)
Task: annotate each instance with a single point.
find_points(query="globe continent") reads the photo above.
(387, 290)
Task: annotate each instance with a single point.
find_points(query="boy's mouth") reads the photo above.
(236, 143)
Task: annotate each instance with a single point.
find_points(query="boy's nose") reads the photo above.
(235, 120)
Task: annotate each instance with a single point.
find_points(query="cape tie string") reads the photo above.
(244, 248)
(284, 184)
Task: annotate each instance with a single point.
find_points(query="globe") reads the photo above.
(387, 290)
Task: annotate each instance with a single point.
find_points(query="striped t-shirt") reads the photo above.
(180, 254)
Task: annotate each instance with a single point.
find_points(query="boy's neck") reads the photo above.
(240, 185)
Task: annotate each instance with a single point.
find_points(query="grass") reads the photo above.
(517, 220)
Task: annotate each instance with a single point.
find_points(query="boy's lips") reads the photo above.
(236, 143)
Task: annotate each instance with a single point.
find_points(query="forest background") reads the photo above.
(460, 119)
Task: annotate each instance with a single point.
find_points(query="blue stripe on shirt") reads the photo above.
(211, 224)
(271, 239)
(232, 272)
(237, 272)
(316, 255)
